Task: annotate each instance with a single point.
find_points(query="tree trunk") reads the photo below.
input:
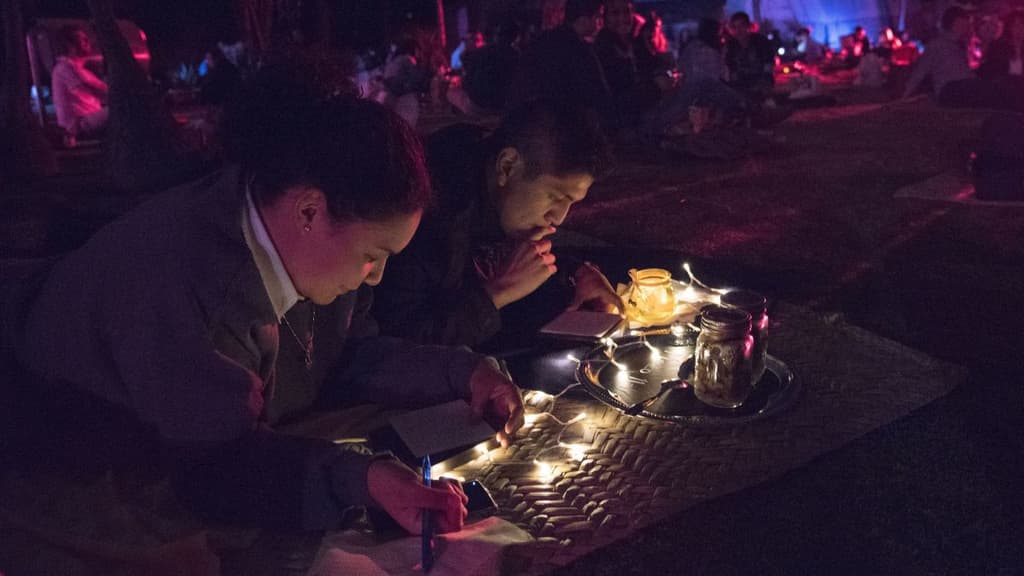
(24, 150)
(146, 150)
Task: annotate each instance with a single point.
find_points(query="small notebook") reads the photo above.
(582, 325)
(439, 428)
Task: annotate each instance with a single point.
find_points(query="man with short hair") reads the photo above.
(484, 249)
(78, 94)
(561, 63)
(945, 59)
(749, 56)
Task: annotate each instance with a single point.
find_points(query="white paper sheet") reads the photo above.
(582, 324)
(474, 551)
(439, 428)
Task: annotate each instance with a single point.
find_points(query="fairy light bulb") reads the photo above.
(655, 353)
(622, 379)
(577, 452)
(545, 471)
(689, 294)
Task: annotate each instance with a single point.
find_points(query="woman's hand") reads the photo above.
(400, 492)
(496, 399)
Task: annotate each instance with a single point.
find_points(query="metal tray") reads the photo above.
(775, 392)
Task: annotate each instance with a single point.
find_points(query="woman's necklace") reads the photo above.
(307, 347)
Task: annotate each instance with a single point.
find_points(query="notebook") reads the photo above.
(582, 325)
(440, 428)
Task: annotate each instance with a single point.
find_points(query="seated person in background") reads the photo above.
(484, 247)
(219, 311)
(561, 63)
(649, 95)
(888, 42)
(679, 93)
(222, 78)
(855, 47)
(78, 95)
(1004, 58)
(631, 93)
(488, 71)
(945, 62)
(809, 50)
(405, 77)
(750, 58)
(703, 55)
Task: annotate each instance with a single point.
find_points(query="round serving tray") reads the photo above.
(646, 370)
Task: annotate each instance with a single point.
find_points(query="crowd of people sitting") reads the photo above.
(607, 56)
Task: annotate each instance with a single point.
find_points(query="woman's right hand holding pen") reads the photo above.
(400, 492)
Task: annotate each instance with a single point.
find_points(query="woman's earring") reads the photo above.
(308, 228)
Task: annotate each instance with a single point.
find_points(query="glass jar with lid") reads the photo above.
(757, 306)
(722, 358)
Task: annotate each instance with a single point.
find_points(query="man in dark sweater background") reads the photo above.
(479, 271)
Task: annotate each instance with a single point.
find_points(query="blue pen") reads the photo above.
(427, 531)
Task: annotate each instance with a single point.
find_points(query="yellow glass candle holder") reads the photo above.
(651, 298)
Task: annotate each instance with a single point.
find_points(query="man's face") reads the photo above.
(530, 209)
(81, 45)
(740, 29)
(337, 257)
(619, 18)
(592, 24)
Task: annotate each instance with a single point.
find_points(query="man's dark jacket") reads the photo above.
(433, 291)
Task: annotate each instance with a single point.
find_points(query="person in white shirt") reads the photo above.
(945, 57)
(954, 83)
(78, 94)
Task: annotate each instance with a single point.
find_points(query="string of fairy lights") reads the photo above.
(543, 404)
